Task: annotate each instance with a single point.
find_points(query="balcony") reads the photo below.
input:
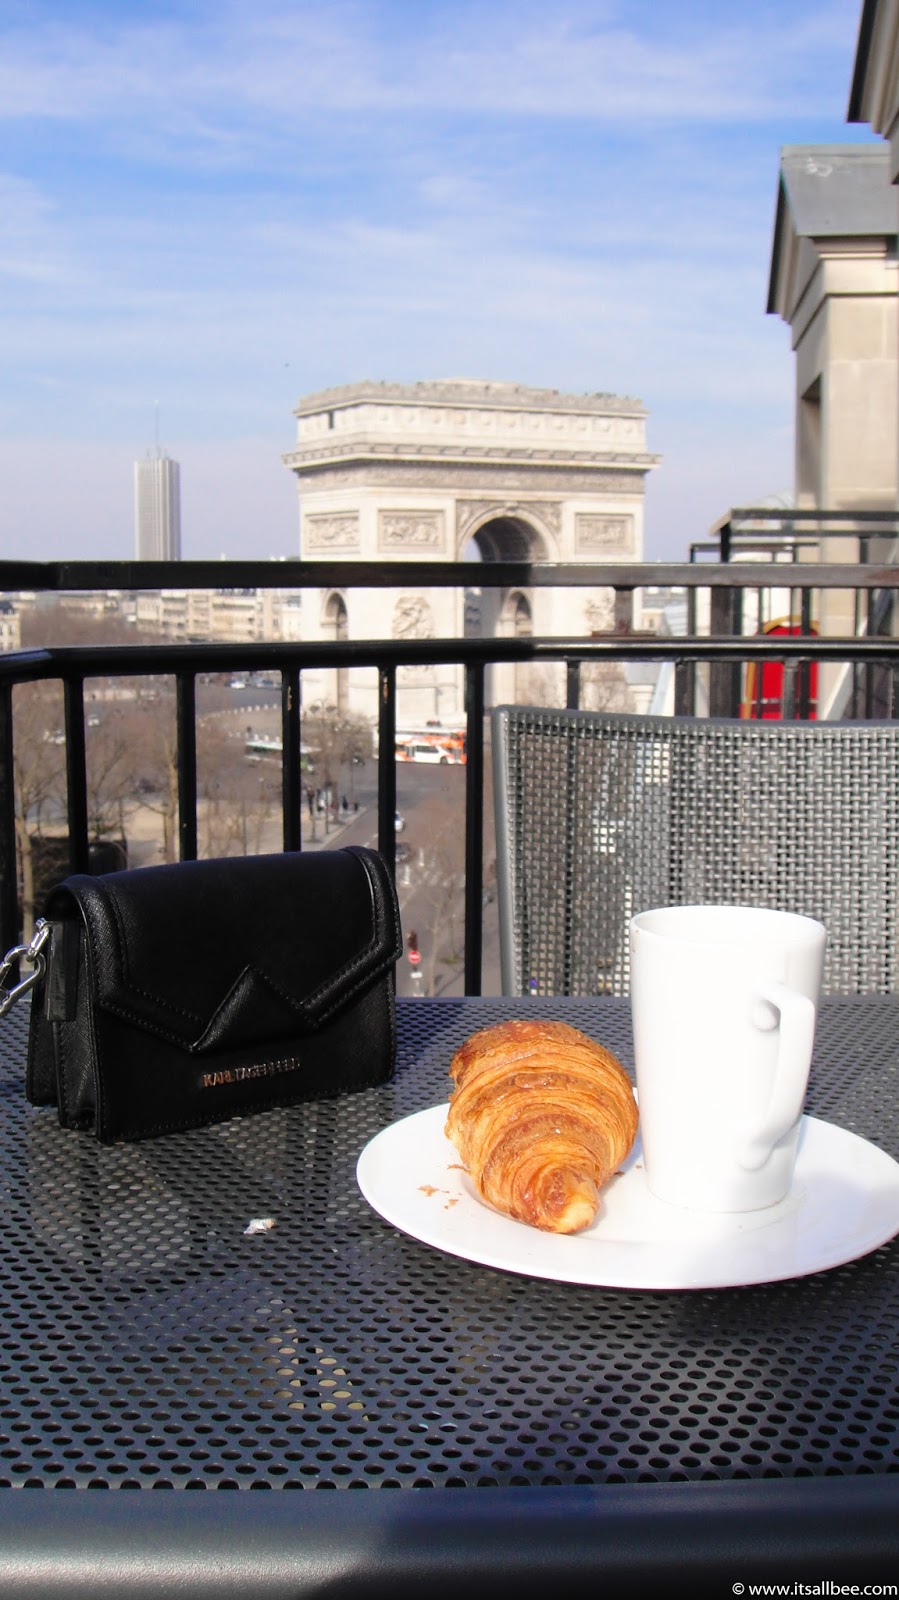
(585, 1429)
(749, 638)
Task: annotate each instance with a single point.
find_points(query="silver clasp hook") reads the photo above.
(33, 952)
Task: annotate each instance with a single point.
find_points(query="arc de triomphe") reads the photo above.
(462, 470)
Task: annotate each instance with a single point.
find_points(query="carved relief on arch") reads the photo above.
(331, 530)
(418, 530)
(593, 532)
(413, 619)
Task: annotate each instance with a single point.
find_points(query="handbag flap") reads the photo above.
(217, 954)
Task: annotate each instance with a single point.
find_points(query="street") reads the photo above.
(430, 858)
(431, 801)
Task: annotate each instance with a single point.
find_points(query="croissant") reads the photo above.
(542, 1116)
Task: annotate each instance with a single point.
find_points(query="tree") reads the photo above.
(38, 778)
(152, 740)
(604, 687)
(238, 797)
(235, 799)
(338, 742)
(78, 622)
(112, 757)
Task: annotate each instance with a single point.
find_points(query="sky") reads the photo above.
(210, 208)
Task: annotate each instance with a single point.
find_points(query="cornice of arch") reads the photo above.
(308, 458)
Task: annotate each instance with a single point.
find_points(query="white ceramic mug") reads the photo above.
(724, 1002)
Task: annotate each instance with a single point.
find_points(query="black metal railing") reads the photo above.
(798, 533)
(717, 658)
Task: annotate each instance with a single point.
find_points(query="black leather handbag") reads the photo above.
(169, 997)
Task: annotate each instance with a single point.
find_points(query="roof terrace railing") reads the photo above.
(871, 660)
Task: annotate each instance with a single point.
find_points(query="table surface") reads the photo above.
(147, 1341)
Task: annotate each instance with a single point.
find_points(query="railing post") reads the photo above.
(9, 896)
(724, 677)
(291, 760)
(474, 827)
(76, 775)
(624, 611)
(804, 668)
(186, 721)
(725, 620)
(790, 701)
(387, 765)
(685, 671)
(684, 688)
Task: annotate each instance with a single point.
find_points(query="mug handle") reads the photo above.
(796, 1024)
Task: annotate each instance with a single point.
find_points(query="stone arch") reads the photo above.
(335, 625)
(451, 470)
(508, 612)
(517, 617)
(334, 618)
(504, 534)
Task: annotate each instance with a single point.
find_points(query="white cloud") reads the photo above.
(26, 231)
(202, 73)
(243, 202)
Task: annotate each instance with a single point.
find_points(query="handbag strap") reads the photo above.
(33, 952)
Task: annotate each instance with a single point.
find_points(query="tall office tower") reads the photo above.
(157, 509)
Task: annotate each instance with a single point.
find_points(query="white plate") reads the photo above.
(844, 1203)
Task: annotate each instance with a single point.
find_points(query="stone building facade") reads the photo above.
(834, 282)
(472, 472)
(235, 616)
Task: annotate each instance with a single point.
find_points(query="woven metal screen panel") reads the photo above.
(606, 816)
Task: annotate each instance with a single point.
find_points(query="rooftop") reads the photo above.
(466, 392)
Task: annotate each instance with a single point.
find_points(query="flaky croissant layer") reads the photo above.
(542, 1116)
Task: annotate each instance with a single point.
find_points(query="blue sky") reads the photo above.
(210, 209)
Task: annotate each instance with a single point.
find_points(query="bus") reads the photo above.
(443, 747)
(259, 746)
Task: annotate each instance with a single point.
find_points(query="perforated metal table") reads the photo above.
(518, 1432)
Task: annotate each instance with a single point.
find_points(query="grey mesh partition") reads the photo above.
(600, 816)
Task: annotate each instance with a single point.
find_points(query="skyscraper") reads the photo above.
(157, 509)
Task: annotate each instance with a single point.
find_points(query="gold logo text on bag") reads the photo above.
(262, 1069)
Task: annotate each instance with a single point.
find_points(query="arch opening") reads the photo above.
(492, 612)
(335, 625)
